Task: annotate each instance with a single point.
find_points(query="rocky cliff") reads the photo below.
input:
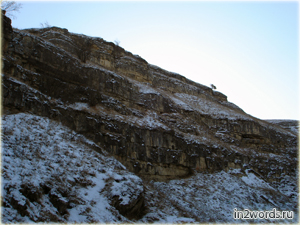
(290, 125)
(159, 124)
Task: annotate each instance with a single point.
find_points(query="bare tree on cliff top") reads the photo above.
(10, 7)
(213, 87)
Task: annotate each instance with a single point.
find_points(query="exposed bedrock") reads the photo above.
(159, 124)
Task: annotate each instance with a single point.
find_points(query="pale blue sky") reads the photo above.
(248, 50)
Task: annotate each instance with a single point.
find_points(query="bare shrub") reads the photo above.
(10, 7)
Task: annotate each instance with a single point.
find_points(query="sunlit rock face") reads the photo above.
(159, 124)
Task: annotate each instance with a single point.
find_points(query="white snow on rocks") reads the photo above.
(204, 106)
(50, 174)
(212, 198)
(146, 89)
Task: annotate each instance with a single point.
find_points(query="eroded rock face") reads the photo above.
(7, 31)
(159, 124)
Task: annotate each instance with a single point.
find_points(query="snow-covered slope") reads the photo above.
(50, 173)
(213, 198)
(291, 125)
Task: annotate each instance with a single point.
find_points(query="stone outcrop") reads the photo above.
(159, 124)
(126, 194)
(7, 31)
(290, 125)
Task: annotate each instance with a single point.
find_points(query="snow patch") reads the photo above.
(64, 176)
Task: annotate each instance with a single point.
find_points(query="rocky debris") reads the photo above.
(50, 174)
(212, 198)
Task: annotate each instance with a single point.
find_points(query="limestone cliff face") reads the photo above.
(159, 124)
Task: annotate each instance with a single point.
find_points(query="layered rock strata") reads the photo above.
(159, 124)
